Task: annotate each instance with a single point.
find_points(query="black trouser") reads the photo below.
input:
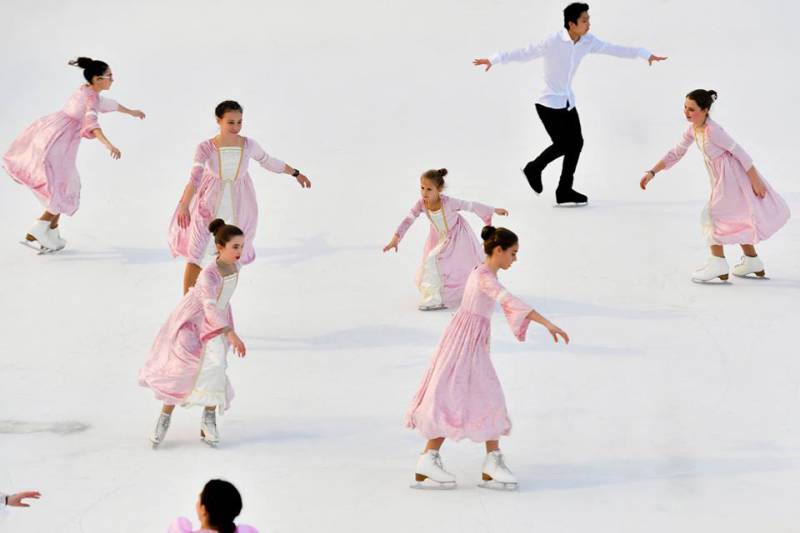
(564, 128)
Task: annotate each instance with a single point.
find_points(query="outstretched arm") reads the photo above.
(132, 112)
(273, 164)
(554, 330)
(528, 53)
(602, 47)
(403, 227)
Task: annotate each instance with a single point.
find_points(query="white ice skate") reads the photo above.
(429, 467)
(716, 267)
(749, 265)
(496, 475)
(55, 236)
(161, 430)
(208, 428)
(40, 234)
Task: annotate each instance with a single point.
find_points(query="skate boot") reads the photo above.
(161, 429)
(534, 177)
(429, 467)
(496, 474)
(749, 265)
(55, 236)
(570, 198)
(39, 233)
(208, 428)
(716, 267)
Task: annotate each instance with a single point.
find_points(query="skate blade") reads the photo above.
(715, 281)
(429, 484)
(571, 204)
(431, 307)
(753, 275)
(498, 485)
(34, 245)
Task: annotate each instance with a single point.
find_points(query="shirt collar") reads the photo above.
(564, 34)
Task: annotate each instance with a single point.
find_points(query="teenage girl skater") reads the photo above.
(452, 251)
(743, 209)
(220, 187)
(217, 507)
(189, 356)
(43, 157)
(460, 395)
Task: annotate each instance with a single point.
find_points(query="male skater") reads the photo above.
(562, 53)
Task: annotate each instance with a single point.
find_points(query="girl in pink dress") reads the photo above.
(220, 187)
(217, 507)
(189, 356)
(460, 395)
(743, 209)
(43, 157)
(452, 251)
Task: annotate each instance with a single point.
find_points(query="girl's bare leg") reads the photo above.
(717, 251)
(492, 445)
(434, 444)
(190, 276)
(167, 409)
(749, 250)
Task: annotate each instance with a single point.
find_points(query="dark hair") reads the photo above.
(436, 176)
(91, 67)
(494, 237)
(573, 12)
(223, 503)
(703, 97)
(225, 106)
(223, 232)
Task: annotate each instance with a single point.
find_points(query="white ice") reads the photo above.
(674, 408)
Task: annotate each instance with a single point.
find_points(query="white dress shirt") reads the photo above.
(561, 60)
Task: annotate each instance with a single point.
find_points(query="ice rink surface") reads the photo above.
(674, 408)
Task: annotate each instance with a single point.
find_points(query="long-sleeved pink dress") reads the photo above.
(191, 243)
(733, 214)
(187, 362)
(460, 395)
(452, 250)
(43, 157)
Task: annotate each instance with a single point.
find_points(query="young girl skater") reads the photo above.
(451, 251)
(460, 395)
(217, 507)
(43, 157)
(220, 187)
(743, 209)
(189, 356)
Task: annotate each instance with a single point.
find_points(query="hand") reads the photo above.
(15, 500)
(555, 331)
(654, 58)
(479, 62)
(136, 113)
(303, 181)
(236, 342)
(645, 180)
(758, 188)
(500, 211)
(115, 153)
(183, 216)
(392, 244)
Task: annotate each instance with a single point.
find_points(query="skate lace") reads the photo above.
(437, 460)
(500, 461)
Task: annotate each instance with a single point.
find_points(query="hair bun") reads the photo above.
(82, 62)
(442, 172)
(488, 232)
(215, 225)
(713, 94)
